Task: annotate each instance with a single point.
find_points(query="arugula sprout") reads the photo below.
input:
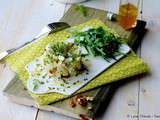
(99, 42)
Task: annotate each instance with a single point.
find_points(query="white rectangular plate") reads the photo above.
(97, 66)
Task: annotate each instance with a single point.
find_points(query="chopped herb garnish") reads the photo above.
(74, 83)
(50, 76)
(38, 65)
(41, 82)
(43, 76)
(65, 81)
(49, 88)
(85, 79)
(35, 84)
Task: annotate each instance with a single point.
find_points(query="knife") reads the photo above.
(50, 28)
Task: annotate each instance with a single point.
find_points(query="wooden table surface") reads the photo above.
(21, 20)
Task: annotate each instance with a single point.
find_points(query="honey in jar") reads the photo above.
(127, 17)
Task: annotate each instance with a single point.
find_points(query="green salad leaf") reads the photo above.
(99, 42)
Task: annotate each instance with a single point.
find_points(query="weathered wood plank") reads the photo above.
(8, 34)
(125, 100)
(149, 86)
(19, 22)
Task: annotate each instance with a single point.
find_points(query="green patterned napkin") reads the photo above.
(128, 66)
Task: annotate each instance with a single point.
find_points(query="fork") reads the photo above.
(50, 28)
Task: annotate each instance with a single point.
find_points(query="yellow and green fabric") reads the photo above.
(128, 66)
